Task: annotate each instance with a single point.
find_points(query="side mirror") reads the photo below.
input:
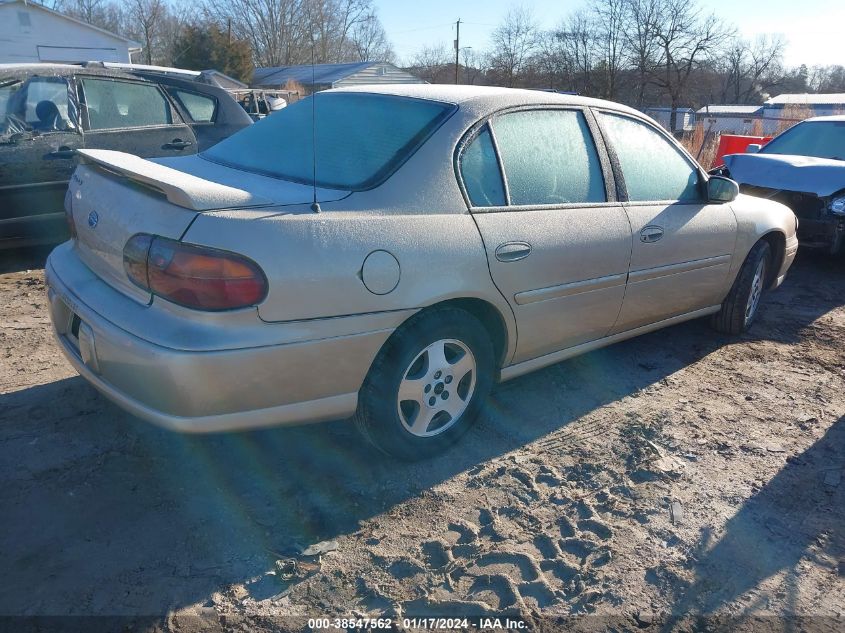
(753, 148)
(721, 189)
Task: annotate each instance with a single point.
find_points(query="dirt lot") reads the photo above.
(681, 472)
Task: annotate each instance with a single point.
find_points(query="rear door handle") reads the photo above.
(513, 251)
(62, 152)
(651, 234)
(177, 143)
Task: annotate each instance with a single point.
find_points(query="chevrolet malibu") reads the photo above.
(388, 254)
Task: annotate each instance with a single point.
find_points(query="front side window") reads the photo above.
(116, 104)
(820, 139)
(361, 139)
(653, 168)
(549, 157)
(480, 172)
(201, 108)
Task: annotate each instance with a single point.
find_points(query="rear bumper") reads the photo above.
(218, 390)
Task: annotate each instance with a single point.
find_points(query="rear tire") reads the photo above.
(741, 306)
(427, 385)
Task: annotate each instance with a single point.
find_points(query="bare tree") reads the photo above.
(827, 79)
(473, 65)
(433, 64)
(105, 14)
(283, 32)
(641, 44)
(577, 37)
(370, 42)
(552, 64)
(515, 42)
(146, 19)
(685, 39)
(610, 26)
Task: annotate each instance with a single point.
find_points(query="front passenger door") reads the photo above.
(682, 245)
(134, 117)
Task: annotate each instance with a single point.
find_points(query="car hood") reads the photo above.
(821, 176)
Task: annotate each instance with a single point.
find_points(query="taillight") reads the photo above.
(69, 214)
(193, 276)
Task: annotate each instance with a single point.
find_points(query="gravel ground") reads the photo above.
(683, 472)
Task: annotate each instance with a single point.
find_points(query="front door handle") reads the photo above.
(177, 143)
(513, 251)
(63, 152)
(651, 234)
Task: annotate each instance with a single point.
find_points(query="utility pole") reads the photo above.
(457, 48)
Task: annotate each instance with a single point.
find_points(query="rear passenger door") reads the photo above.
(201, 112)
(558, 243)
(682, 245)
(132, 116)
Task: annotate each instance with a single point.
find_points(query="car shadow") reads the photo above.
(798, 514)
(814, 286)
(105, 514)
(15, 260)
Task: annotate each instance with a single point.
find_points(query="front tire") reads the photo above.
(740, 307)
(427, 385)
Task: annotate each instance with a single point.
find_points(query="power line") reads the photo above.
(423, 28)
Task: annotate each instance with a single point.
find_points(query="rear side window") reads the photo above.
(549, 157)
(480, 172)
(653, 168)
(201, 108)
(361, 139)
(117, 104)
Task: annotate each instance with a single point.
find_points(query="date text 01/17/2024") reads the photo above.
(427, 623)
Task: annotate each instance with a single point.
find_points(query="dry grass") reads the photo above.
(295, 86)
(792, 114)
(701, 145)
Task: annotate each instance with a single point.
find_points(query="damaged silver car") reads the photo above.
(804, 168)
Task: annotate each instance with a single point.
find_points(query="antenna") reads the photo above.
(315, 206)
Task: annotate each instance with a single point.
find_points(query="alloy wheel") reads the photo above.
(756, 291)
(436, 388)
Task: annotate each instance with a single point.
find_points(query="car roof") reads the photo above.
(488, 98)
(60, 70)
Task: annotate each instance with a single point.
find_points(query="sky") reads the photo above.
(812, 28)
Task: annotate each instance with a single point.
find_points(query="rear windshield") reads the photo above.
(820, 139)
(361, 139)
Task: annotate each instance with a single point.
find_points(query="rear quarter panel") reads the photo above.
(314, 261)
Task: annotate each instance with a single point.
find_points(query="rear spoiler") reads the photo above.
(178, 187)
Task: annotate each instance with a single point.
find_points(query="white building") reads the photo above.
(32, 33)
(730, 119)
(788, 106)
(684, 117)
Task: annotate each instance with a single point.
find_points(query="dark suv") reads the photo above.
(47, 111)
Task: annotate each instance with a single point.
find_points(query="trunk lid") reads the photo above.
(113, 196)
